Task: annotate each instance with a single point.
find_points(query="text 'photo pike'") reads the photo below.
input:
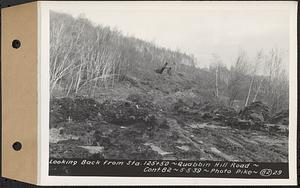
(169, 84)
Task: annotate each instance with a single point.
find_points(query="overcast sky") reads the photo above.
(195, 28)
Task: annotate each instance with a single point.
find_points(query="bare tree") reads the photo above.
(276, 86)
(86, 58)
(215, 66)
(254, 72)
(237, 74)
(258, 89)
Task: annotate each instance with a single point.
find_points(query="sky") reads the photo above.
(198, 28)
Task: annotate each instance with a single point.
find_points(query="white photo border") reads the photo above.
(44, 96)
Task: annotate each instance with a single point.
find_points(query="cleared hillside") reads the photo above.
(112, 98)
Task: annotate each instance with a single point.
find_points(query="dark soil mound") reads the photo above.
(223, 113)
(256, 111)
(73, 109)
(143, 101)
(182, 107)
(62, 150)
(218, 112)
(281, 117)
(123, 112)
(126, 144)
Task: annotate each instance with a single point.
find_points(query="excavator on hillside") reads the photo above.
(163, 68)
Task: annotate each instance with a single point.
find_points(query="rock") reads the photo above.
(93, 149)
(206, 125)
(184, 148)
(157, 149)
(56, 136)
(256, 117)
(235, 143)
(221, 154)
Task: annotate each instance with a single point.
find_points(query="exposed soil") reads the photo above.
(139, 126)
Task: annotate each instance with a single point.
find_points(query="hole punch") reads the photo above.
(17, 146)
(16, 44)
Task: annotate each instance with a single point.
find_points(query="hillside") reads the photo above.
(111, 98)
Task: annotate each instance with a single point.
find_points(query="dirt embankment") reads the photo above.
(138, 127)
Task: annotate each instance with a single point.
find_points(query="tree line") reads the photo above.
(85, 57)
(264, 78)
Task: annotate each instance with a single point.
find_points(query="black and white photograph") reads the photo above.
(169, 82)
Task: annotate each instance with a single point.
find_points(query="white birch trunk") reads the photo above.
(217, 87)
(249, 91)
(257, 91)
